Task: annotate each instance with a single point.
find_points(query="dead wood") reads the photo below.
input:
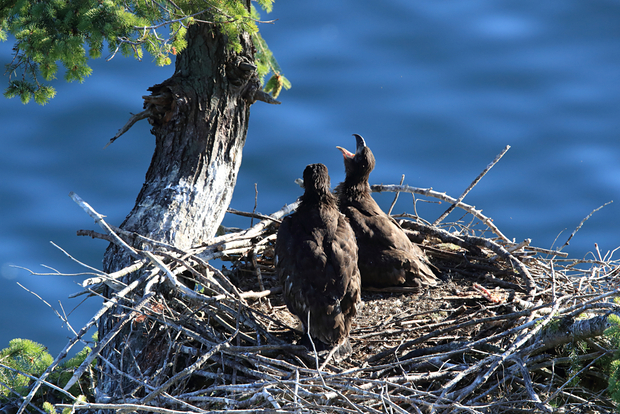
(503, 332)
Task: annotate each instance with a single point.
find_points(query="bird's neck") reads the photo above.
(354, 189)
(326, 200)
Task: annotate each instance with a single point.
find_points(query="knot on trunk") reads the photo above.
(241, 73)
(161, 104)
(240, 70)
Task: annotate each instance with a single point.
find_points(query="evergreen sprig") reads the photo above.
(70, 32)
(25, 356)
(613, 333)
(266, 63)
(31, 358)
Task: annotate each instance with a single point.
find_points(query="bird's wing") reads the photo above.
(342, 274)
(301, 262)
(376, 226)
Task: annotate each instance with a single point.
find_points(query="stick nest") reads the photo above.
(510, 328)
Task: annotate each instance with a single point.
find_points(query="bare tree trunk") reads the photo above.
(200, 119)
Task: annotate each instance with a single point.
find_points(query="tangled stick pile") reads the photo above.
(510, 328)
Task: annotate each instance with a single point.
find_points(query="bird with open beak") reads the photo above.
(386, 256)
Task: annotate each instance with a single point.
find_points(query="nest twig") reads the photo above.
(503, 332)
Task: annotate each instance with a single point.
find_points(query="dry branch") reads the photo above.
(488, 339)
(471, 186)
(429, 192)
(132, 120)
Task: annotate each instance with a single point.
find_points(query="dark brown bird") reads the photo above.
(316, 261)
(386, 255)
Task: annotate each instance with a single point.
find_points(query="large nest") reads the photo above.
(510, 328)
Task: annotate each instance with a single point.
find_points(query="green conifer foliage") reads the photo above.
(63, 373)
(72, 31)
(613, 333)
(25, 356)
(267, 63)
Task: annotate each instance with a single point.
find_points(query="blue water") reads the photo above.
(438, 89)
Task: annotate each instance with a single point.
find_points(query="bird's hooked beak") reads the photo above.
(360, 145)
(346, 153)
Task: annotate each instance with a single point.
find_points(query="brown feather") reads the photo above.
(316, 261)
(386, 255)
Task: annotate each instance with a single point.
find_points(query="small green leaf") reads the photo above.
(266, 5)
(286, 83)
(49, 408)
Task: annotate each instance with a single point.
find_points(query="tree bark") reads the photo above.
(200, 119)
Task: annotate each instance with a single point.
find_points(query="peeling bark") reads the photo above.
(570, 330)
(200, 119)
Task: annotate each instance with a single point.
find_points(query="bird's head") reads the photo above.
(360, 164)
(316, 179)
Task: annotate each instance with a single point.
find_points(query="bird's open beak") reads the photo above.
(346, 153)
(360, 143)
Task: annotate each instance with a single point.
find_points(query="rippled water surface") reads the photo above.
(438, 89)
